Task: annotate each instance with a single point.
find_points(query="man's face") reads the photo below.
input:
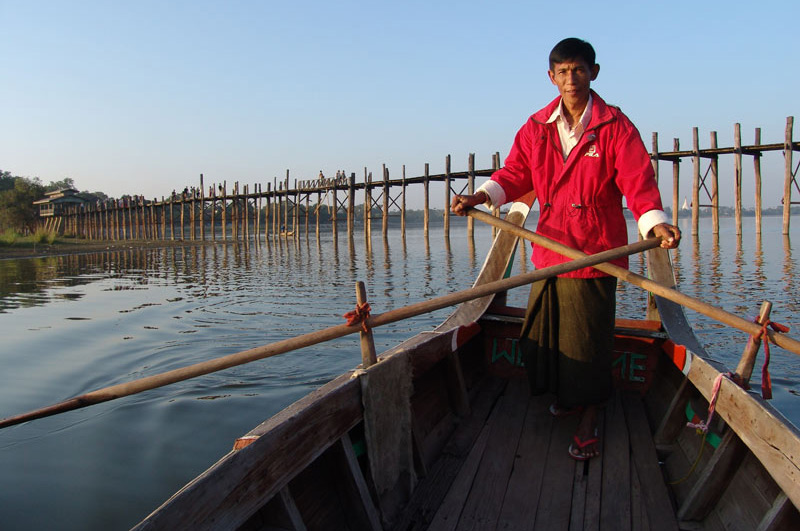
(572, 78)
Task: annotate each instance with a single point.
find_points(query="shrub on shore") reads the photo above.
(44, 236)
(8, 237)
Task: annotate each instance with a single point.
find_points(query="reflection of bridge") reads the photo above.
(277, 212)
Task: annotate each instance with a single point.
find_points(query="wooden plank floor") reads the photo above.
(518, 474)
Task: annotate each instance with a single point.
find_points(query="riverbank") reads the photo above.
(69, 246)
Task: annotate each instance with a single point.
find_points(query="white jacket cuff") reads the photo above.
(495, 193)
(650, 219)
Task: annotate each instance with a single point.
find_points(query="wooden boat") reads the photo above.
(442, 433)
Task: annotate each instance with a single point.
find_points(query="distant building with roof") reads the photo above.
(55, 203)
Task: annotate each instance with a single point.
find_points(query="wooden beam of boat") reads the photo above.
(621, 273)
(320, 336)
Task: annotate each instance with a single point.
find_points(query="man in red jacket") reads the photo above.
(580, 156)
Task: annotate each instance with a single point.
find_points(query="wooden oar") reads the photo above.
(674, 295)
(312, 338)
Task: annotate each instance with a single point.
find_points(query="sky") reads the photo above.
(142, 97)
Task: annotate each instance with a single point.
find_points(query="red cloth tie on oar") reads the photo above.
(359, 315)
(766, 381)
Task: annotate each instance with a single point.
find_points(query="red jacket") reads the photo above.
(580, 199)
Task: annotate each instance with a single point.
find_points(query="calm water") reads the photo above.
(77, 323)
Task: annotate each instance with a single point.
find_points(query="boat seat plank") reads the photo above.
(556, 495)
(615, 509)
(524, 486)
(713, 479)
(654, 493)
(449, 512)
(486, 495)
(353, 479)
(578, 506)
(440, 475)
(674, 420)
(594, 486)
(639, 519)
(782, 515)
(539, 486)
(279, 514)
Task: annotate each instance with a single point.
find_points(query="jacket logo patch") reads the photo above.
(592, 152)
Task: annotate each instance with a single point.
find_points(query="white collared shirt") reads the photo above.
(570, 136)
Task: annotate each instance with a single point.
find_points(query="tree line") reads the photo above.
(17, 194)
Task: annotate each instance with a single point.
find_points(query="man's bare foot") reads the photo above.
(585, 442)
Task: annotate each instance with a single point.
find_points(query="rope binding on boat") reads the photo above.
(359, 315)
(766, 381)
(702, 426)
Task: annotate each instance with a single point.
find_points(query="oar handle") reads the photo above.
(674, 295)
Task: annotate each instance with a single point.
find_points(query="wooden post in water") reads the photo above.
(235, 211)
(335, 211)
(714, 186)
(351, 204)
(276, 209)
(267, 208)
(250, 215)
(246, 213)
(296, 211)
(213, 195)
(224, 210)
(385, 217)
(367, 204)
(286, 201)
(163, 218)
(757, 171)
(470, 191)
(192, 215)
(403, 203)
(257, 229)
(316, 211)
(171, 216)
(106, 222)
(202, 209)
(426, 213)
(654, 156)
(737, 176)
(696, 182)
(143, 234)
(676, 168)
(153, 221)
(447, 197)
(788, 175)
(183, 213)
(308, 197)
(116, 220)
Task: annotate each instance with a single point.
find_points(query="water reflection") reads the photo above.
(715, 280)
(788, 265)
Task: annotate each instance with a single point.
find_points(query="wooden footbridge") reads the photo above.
(283, 209)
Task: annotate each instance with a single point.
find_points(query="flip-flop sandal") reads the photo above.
(562, 412)
(577, 453)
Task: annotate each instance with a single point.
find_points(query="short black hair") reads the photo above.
(571, 49)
